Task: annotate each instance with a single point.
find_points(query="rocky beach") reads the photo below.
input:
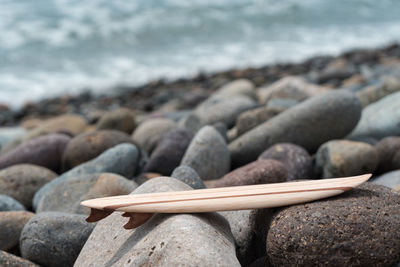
(326, 117)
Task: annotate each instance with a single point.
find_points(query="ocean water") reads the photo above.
(53, 47)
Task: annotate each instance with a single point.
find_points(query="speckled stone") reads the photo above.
(358, 228)
(121, 159)
(166, 239)
(10, 260)
(67, 195)
(389, 154)
(169, 152)
(258, 172)
(389, 179)
(309, 124)
(44, 151)
(207, 154)
(150, 132)
(120, 119)
(21, 181)
(11, 224)
(54, 239)
(188, 176)
(297, 161)
(339, 158)
(7, 203)
(87, 146)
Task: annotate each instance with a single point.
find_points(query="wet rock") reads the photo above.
(21, 181)
(150, 132)
(7, 203)
(67, 195)
(168, 239)
(121, 159)
(223, 109)
(380, 119)
(208, 154)
(390, 179)
(258, 172)
(87, 146)
(69, 124)
(308, 124)
(252, 118)
(11, 224)
(44, 151)
(54, 239)
(340, 158)
(188, 176)
(389, 154)
(237, 87)
(10, 260)
(358, 228)
(120, 119)
(169, 152)
(297, 161)
(373, 93)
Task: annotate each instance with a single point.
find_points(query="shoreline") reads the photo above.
(185, 93)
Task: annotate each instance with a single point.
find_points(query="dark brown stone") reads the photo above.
(11, 224)
(389, 154)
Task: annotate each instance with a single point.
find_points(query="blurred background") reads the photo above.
(50, 47)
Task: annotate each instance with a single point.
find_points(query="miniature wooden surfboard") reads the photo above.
(140, 207)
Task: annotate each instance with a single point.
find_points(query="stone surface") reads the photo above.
(190, 122)
(87, 146)
(54, 239)
(121, 159)
(208, 154)
(254, 117)
(237, 87)
(7, 203)
(380, 119)
(44, 151)
(390, 179)
(308, 124)
(373, 93)
(188, 176)
(10, 260)
(9, 134)
(339, 158)
(169, 152)
(67, 195)
(389, 154)
(358, 228)
(258, 172)
(11, 224)
(21, 181)
(223, 109)
(149, 133)
(166, 239)
(121, 119)
(297, 161)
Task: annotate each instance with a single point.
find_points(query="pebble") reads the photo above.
(121, 159)
(7, 203)
(9, 134)
(120, 119)
(380, 119)
(258, 172)
(10, 260)
(208, 154)
(21, 181)
(188, 176)
(389, 154)
(389, 179)
(169, 152)
(309, 124)
(373, 93)
(150, 132)
(11, 224)
(252, 118)
(358, 228)
(68, 194)
(297, 161)
(223, 109)
(190, 122)
(340, 158)
(87, 146)
(237, 87)
(54, 239)
(44, 151)
(166, 239)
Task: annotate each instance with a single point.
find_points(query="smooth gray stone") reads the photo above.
(389, 179)
(188, 176)
(7, 203)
